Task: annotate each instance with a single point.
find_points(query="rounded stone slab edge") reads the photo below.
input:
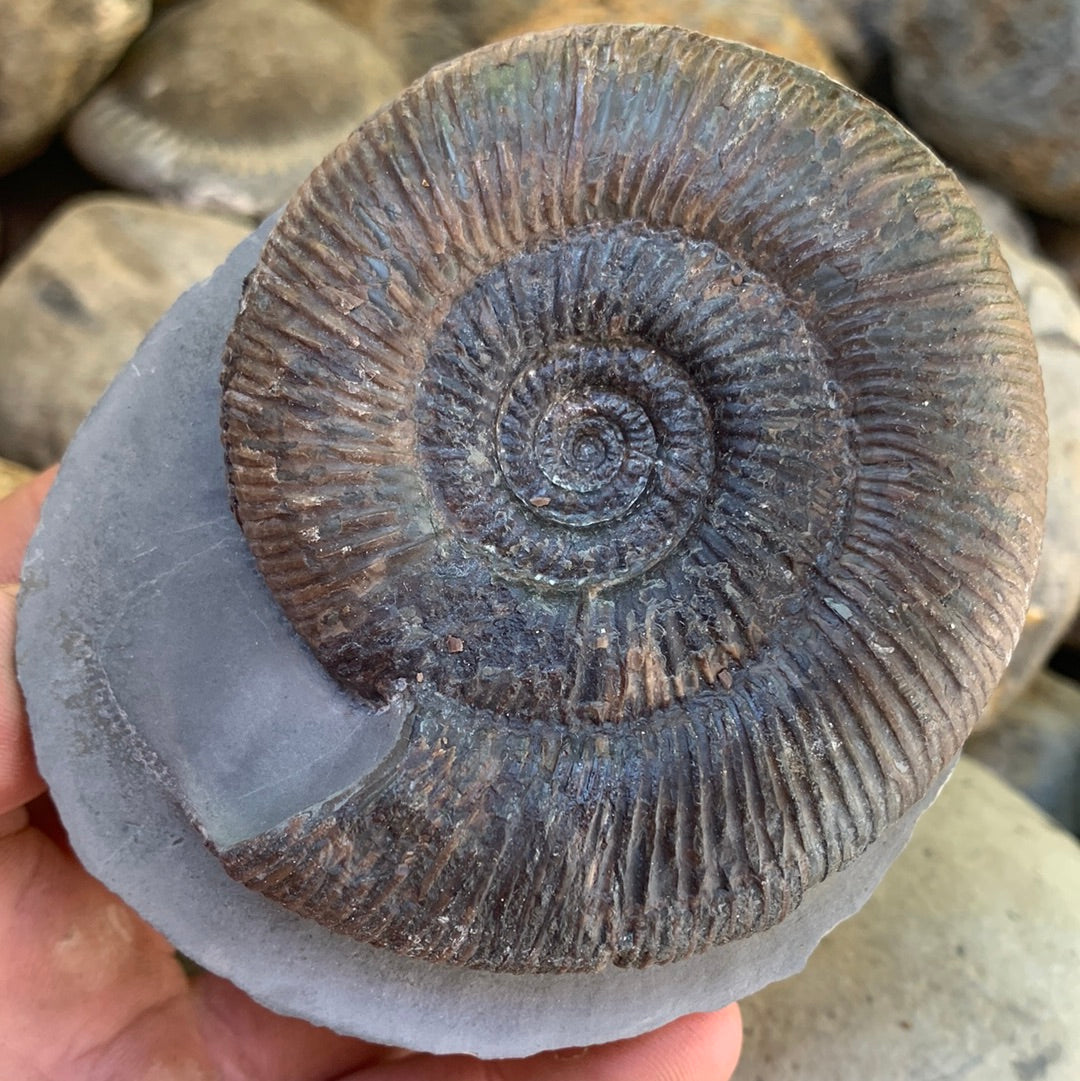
(132, 473)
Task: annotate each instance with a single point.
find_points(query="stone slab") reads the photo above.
(159, 674)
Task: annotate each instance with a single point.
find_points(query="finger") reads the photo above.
(247, 1042)
(41, 813)
(13, 821)
(700, 1047)
(19, 513)
(88, 992)
(20, 781)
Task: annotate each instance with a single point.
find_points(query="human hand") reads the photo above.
(89, 992)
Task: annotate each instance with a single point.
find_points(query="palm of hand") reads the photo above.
(89, 991)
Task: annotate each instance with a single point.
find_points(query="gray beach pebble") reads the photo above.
(963, 964)
(77, 301)
(1035, 746)
(227, 105)
(52, 54)
(994, 85)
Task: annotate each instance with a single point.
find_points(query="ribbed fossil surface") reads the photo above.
(653, 418)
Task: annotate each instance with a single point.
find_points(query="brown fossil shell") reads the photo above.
(654, 420)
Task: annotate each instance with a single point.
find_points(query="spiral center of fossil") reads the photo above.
(580, 452)
(597, 484)
(583, 403)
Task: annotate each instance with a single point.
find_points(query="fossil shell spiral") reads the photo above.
(653, 418)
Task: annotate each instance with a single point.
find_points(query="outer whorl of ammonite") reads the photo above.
(653, 420)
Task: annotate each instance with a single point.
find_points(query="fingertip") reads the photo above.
(698, 1047)
(20, 781)
(19, 513)
(724, 1032)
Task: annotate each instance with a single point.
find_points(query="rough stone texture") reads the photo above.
(1054, 310)
(52, 54)
(1035, 746)
(228, 104)
(12, 475)
(143, 695)
(766, 24)
(962, 965)
(995, 87)
(77, 301)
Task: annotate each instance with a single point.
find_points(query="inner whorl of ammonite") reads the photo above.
(651, 420)
(600, 422)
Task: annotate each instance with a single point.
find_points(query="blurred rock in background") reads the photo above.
(1060, 241)
(1071, 644)
(963, 964)
(77, 301)
(421, 33)
(52, 54)
(767, 24)
(415, 34)
(994, 85)
(30, 194)
(855, 32)
(227, 105)
(1001, 215)
(1035, 746)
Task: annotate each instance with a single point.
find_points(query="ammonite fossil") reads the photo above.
(653, 424)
